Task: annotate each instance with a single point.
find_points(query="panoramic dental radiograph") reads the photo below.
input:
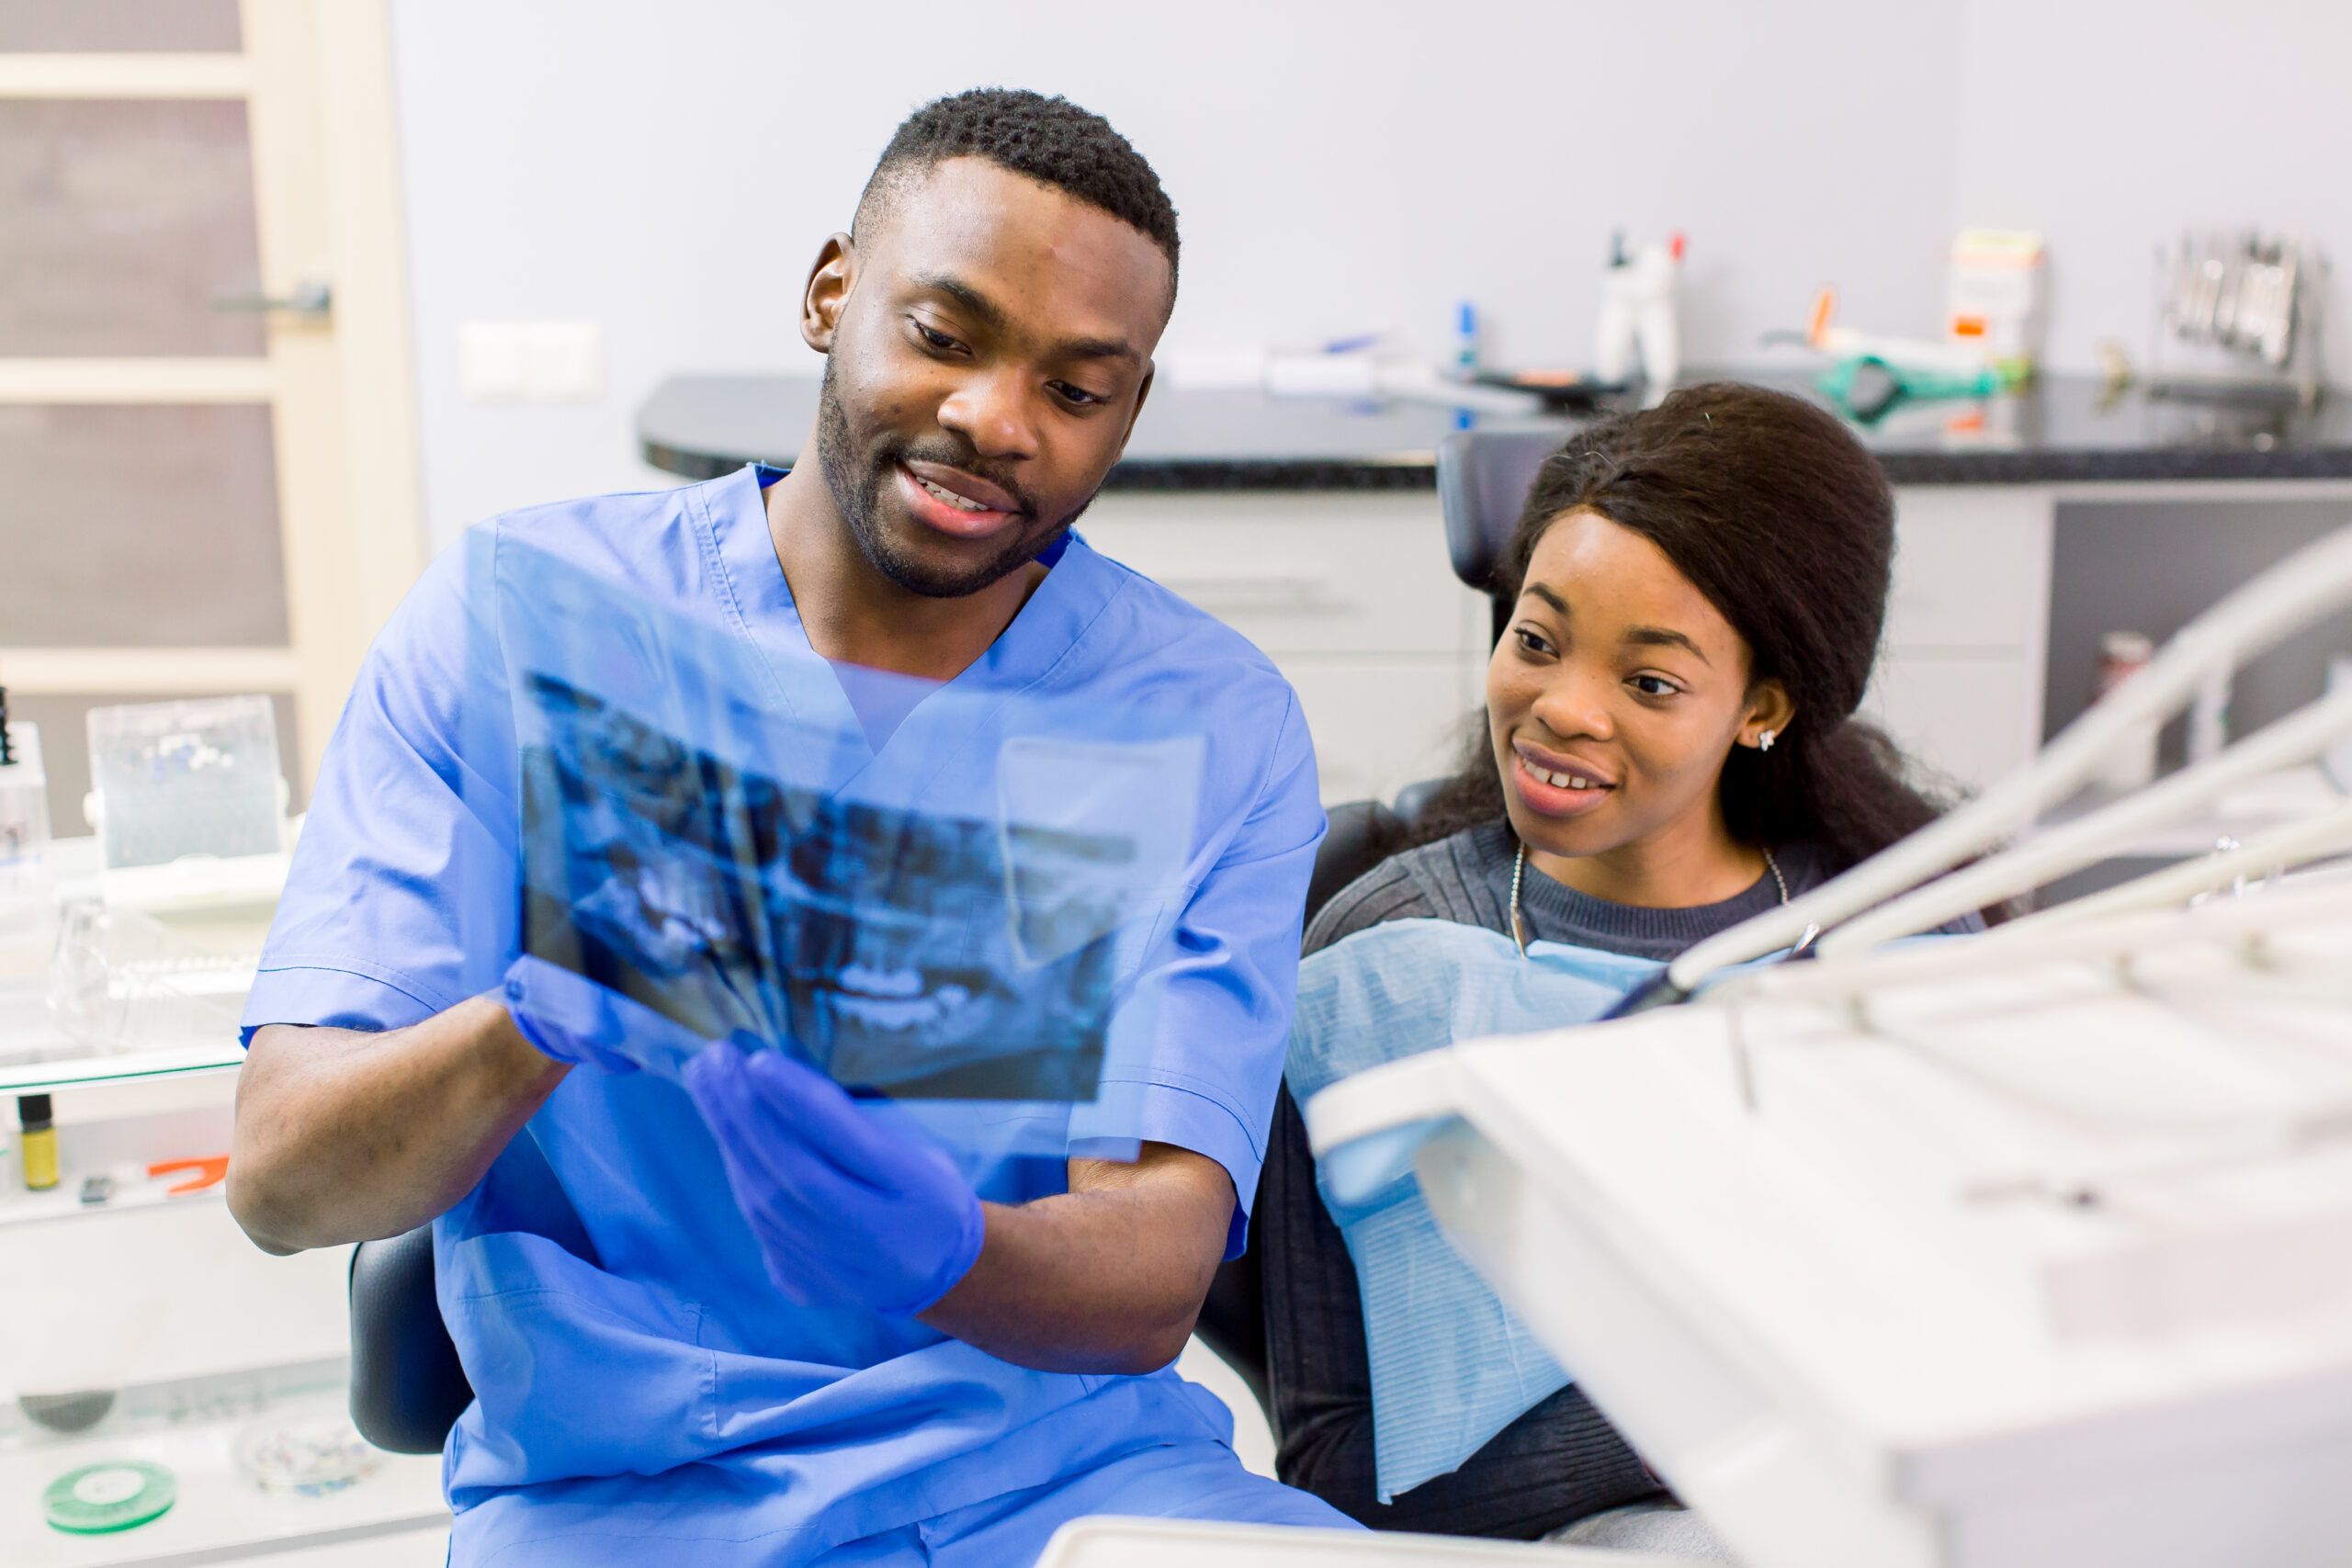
(706, 832)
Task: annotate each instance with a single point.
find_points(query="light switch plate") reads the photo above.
(566, 361)
(491, 362)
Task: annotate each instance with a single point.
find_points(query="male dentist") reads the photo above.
(738, 1321)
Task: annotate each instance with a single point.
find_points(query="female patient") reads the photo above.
(1696, 597)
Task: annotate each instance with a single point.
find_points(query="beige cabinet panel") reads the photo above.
(118, 27)
(1347, 572)
(140, 526)
(125, 220)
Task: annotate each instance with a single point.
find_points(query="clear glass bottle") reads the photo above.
(24, 804)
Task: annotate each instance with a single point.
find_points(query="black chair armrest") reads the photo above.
(407, 1386)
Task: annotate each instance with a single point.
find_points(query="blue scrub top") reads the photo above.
(637, 1375)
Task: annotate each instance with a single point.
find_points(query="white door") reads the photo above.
(207, 466)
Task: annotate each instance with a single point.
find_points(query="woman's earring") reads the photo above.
(1764, 741)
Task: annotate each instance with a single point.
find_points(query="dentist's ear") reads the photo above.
(826, 294)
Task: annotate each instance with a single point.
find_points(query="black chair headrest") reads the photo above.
(1482, 477)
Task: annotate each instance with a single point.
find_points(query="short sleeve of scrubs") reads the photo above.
(401, 902)
(1220, 986)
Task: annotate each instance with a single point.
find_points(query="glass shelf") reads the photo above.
(82, 1072)
(195, 1034)
(25, 1025)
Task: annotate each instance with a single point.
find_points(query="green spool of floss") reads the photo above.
(98, 1499)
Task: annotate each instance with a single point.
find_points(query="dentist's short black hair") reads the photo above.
(1049, 139)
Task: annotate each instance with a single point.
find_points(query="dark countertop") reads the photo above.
(2062, 430)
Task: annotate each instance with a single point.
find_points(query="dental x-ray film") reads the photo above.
(706, 834)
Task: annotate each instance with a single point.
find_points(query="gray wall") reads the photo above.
(667, 171)
(2111, 127)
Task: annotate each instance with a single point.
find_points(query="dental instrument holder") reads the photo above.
(188, 803)
(1637, 315)
(2239, 318)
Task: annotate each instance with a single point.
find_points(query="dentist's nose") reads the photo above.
(994, 410)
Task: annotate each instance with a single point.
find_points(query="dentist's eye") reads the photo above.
(932, 338)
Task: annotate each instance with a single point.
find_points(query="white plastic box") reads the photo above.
(1999, 294)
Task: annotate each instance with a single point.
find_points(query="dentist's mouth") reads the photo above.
(946, 501)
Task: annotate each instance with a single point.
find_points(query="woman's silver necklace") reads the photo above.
(1519, 873)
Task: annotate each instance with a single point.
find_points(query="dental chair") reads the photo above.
(407, 1387)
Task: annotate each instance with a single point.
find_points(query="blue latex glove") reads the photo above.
(850, 1203)
(567, 1016)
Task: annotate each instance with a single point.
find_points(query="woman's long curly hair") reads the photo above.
(1777, 515)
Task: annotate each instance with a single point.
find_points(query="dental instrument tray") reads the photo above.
(1977, 1272)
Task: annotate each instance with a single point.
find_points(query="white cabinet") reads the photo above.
(1961, 715)
(1958, 678)
(1971, 568)
(1348, 591)
(1381, 723)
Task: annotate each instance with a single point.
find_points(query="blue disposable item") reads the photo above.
(1465, 355)
(642, 1387)
(821, 1181)
(1451, 1365)
(569, 1017)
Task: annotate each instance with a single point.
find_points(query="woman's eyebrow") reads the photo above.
(1664, 636)
(1635, 636)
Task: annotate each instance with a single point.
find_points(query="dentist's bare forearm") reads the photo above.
(344, 1135)
(1106, 1278)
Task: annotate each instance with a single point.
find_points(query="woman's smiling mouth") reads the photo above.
(1556, 786)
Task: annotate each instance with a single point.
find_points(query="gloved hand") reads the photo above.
(567, 1016)
(849, 1204)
